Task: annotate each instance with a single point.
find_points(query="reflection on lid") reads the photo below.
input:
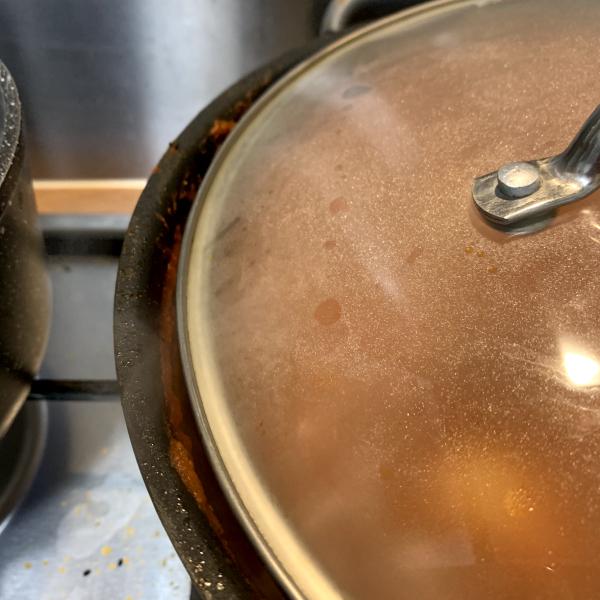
(580, 369)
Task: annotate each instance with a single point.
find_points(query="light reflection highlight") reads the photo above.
(580, 369)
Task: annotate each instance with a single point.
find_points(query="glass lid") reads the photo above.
(400, 397)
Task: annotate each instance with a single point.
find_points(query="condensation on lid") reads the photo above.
(404, 399)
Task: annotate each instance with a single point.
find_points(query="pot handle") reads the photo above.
(527, 190)
(341, 14)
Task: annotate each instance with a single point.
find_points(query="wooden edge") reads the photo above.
(116, 196)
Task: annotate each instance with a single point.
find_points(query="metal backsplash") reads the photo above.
(106, 84)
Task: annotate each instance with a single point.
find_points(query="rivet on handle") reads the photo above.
(525, 190)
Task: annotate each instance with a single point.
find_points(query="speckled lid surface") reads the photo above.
(402, 401)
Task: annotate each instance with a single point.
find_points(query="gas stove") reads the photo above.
(76, 519)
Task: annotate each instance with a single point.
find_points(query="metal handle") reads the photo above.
(339, 14)
(582, 158)
(526, 190)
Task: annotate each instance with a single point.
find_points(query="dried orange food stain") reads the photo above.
(337, 206)
(180, 443)
(386, 472)
(221, 128)
(182, 461)
(328, 312)
(412, 257)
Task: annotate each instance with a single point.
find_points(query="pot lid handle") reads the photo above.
(526, 190)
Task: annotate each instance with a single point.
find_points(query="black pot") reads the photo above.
(25, 297)
(212, 545)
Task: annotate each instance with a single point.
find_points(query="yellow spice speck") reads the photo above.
(28, 565)
(105, 550)
(112, 566)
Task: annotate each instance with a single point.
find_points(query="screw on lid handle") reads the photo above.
(525, 190)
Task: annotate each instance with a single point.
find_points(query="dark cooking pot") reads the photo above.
(392, 357)
(25, 297)
(176, 470)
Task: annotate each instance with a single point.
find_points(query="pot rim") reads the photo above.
(136, 334)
